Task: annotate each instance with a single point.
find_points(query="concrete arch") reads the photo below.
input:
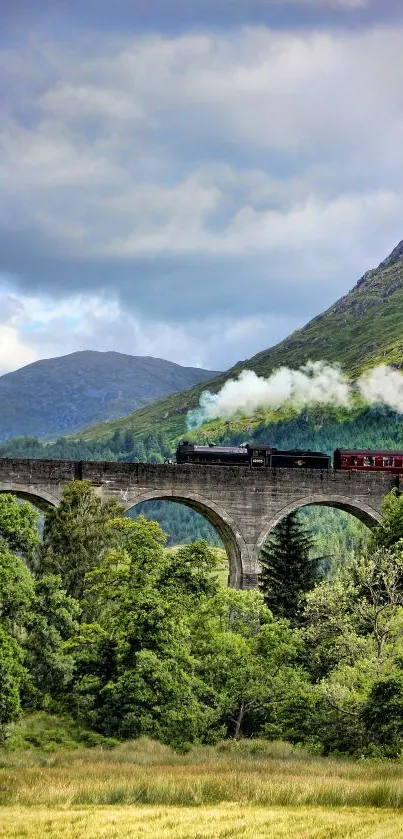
(225, 525)
(40, 497)
(356, 507)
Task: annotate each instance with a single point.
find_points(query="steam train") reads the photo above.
(261, 456)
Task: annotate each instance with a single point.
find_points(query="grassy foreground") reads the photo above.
(222, 822)
(249, 789)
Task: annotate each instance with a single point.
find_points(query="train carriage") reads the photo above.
(368, 460)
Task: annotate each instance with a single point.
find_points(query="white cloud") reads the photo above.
(311, 98)
(35, 328)
(269, 160)
(14, 353)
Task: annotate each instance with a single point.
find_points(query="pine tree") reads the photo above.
(288, 570)
(76, 534)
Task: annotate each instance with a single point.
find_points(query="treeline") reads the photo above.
(327, 429)
(324, 429)
(98, 620)
(120, 446)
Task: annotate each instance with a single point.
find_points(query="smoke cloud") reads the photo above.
(315, 383)
(384, 386)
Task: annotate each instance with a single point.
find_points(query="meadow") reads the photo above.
(235, 789)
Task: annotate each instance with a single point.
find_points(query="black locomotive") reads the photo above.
(254, 455)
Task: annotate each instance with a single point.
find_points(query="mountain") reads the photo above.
(362, 329)
(61, 395)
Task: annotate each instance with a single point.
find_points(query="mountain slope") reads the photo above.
(59, 395)
(362, 329)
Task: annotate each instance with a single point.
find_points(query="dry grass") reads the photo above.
(247, 789)
(222, 822)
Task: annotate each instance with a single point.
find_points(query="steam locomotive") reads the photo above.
(261, 456)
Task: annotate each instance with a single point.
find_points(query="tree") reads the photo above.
(51, 623)
(11, 674)
(141, 598)
(383, 713)
(247, 658)
(16, 593)
(288, 570)
(354, 638)
(18, 525)
(189, 573)
(390, 530)
(129, 441)
(76, 534)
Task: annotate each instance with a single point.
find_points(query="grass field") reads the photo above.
(224, 822)
(249, 789)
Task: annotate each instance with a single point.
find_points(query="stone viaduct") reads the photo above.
(243, 504)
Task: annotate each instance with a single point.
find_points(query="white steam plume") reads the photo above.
(315, 383)
(382, 385)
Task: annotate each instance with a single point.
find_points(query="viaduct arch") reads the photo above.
(362, 511)
(241, 503)
(39, 496)
(225, 525)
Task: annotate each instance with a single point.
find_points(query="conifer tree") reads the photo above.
(76, 534)
(288, 570)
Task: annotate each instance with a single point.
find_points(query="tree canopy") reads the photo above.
(132, 638)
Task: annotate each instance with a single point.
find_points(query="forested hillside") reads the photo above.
(61, 395)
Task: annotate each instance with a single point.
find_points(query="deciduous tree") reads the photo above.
(18, 525)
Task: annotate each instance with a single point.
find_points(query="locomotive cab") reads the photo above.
(259, 455)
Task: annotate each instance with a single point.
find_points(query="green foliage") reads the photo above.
(152, 644)
(248, 659)
(336, 536)
(390, 531)
(18, 525)
(76, 533)
(16, 594)
(140, 596)
(288, 568)
(354, 638)
(50, 733)
(11, 674)
(383, 713)
(51, 623)
(16, 590)
(181, 523)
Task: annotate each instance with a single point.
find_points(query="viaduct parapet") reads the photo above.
(241, 503)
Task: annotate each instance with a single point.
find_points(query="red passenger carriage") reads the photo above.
(368, 460)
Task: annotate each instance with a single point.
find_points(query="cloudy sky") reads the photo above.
(192, 179)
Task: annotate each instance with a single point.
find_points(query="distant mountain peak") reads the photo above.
(60, 395)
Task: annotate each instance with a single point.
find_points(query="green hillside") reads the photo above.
(61, 395)
(362, 329)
